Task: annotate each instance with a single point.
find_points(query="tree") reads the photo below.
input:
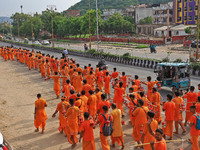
(37, 26)
(188, 30)
(147, 20)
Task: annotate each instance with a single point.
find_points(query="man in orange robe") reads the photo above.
(194, 132)
(107, 80)
(160, 143)
(146, 101)
(115, 74)
(156, 102)
(132, 104)
(40, 115)
(78, 82)
(98, 95)
(135, 87)
(119, 92)
(146, 136)
(91, 80)
(124, 80)
(85, 99)
(117, 135)
(191, 100)
(198, 105)
(101, 120)
(92, 99)
(72, 117)
(57, 88)
(140, 120)
(103, 102)
(87, 133)
(178, 117)
(86, 87)
(150, 84)
(169, 108)
(137, 81)
(62, 109)
(100, 79)
(67, 88)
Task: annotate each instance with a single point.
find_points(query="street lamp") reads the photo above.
(52, 8)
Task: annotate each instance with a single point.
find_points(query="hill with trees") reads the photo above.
(112, 4)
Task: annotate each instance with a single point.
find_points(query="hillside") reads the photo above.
(112, 4)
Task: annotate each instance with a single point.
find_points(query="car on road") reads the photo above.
(45, 42)
(37, 43)
(174, 75)
(4, 145)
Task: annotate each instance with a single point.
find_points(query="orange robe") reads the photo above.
(140, 121)
(124, 80)
(119, 92)
(40, 116)
(194, 133)
(72, 118)
(117, 135)
(78, 83)
(161, 145)
(191, 98)
(157, 109)
(104, 140)
(107, 80)
(67, 89)
(86, 88)
(92, 105)
(147, 136)
(85, 99)
(99, 100)
(56, 84)
(88, 136)
(150, 85)
(169, 108)
(178, 102)
(100, 80)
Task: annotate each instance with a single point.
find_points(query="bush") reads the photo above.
(165, 59)
(92, 51)
(195, 66)
(141, 46)
(178, 60)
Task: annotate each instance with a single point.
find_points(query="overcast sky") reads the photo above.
(9, 7)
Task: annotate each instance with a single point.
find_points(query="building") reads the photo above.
(185, 12)
(107, 13)
(160, 13)
(142, 11)
(178, 30)
(130, 11)
(73, 13)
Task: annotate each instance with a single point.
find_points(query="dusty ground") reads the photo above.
(18, 89)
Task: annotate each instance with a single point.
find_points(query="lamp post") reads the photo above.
(97, 25)
(52, 8)
(89, 28)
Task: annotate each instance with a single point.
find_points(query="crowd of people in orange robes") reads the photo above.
(87, 101)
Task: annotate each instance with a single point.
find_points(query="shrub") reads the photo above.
(178, 60)
(165, 59)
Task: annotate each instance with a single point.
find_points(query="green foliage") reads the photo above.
(188, 30)
(195, 66)
(147, 20)
(111, 4)
(141, 46)
(166, 59)
(4, 28)
(179, 60)
(117, 24)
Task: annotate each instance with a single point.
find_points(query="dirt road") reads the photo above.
(18, 89)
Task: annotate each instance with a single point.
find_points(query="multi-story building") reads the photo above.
(185, 12)
(160, 13)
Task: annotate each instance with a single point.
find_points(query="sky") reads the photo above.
(9, 7)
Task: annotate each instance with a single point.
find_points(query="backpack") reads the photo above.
(107, 129)
(198, 122)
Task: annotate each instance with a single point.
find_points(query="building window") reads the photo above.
(179, 9)
(191, 8)
(179, 19)
(190, 18)
(185, 8)
(185, 18)
(177, 33)
(196, 8)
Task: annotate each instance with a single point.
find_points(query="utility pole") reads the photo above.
(97, 25)
(197, 53)
(89, 28)
(18, 26)
(32, 33)
(52, 8)
(168, 22)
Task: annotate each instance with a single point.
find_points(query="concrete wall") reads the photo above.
(142, 13)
